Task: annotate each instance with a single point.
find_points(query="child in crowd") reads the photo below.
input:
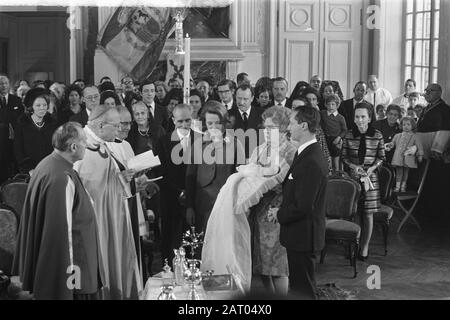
(418, 108)
(381, 113)
(408, 151)
(334, 127)
(412, 114)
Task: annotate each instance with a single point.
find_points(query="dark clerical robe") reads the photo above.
(57, 248)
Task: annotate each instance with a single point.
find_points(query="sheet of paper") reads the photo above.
(144, 161)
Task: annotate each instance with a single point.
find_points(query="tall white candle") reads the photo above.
(187, 69)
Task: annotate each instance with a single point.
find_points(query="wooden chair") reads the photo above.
(401, 198)
(8, 237)
(342, 203)
(12, 195)
(384, 215)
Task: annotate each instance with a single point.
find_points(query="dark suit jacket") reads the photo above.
(15, 108)
(302, 212)
(254, 122)
(174, 173)
(348, 111)
(81, 117)
(161, 116)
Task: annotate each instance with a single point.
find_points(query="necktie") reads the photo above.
(244, 115)
(374, 97)
(3, 101)
(279, 104)
(150, 114)
(226, 106)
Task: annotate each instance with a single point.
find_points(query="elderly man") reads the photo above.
(103, 179)
(279, 90)
(376, 95)
(57, 248)
(91, 98)
(315, 82)
(10, 110)
(433, 128)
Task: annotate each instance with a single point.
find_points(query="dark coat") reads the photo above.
(161, 116)
(31, 144)
(434, 118)
(81, 117)
(43, 251)
(8, 122)
(302, 212)
(156, 132)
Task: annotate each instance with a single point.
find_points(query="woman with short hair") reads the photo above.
(362, 154)
(33, 134)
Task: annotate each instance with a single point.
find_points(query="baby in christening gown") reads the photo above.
(227, 242)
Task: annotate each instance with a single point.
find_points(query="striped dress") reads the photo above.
(374, 156)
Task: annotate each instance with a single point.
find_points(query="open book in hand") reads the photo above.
(143, 161)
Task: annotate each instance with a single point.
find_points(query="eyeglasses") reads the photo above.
(93, 97)
(115, 125)
(225, 91)
(125, 124)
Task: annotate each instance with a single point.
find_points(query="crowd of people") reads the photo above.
(86, 212)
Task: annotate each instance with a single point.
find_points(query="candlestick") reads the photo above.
(187, 69)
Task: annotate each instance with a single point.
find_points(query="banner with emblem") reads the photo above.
(134, 38)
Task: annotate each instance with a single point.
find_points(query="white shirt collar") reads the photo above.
(283, 103)
(6, 97)
(335, 113)
(305, 145)
(180, 136)
(228, 104)
(88, 112)
(247, 112)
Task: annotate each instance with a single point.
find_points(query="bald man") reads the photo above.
(377, 95)
(103, 179)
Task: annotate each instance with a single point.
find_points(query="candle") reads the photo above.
(187, 69)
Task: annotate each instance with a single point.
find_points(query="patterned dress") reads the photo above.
(269, 256)
(373, 155)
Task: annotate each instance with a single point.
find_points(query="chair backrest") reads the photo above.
(386, 177)
(8, 238)
(342, 197)
(12, 194)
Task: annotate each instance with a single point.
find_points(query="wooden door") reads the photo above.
(320, 37)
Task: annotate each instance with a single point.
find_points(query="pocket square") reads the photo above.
(15, 108)
(290, 177)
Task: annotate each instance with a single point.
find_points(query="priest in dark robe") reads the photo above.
(57, 249)
(103, 179)
(433, 129)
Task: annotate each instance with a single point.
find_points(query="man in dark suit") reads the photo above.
(347, 107)
(171, 149)
(225, 90)
(279, 90)
(157, 114)
(91, 99)
(302, 212)
(247, 118)
(10, 109)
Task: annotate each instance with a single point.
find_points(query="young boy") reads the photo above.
(335, 128)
